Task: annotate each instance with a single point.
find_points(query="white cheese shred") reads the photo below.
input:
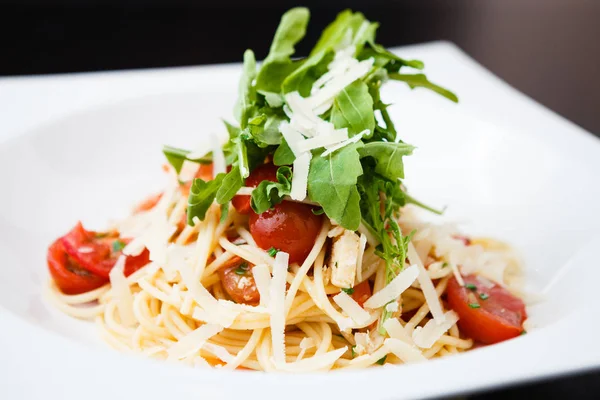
(300, 176)
(362, 243)
(351, 308)
(193, 341)
(277, 307)
(122, 292)
(426, 336)
(262, 277)
(394, 289)
(427, 287)
(404, 351)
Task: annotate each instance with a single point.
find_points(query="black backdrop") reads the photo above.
(548, 49)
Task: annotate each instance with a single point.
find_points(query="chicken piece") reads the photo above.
(343, 260)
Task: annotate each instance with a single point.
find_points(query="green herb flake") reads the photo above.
(242, 269)
(353, 352)
(484, 296)
(474, 305)
(348, 291)
(272, 251)
(381, 361)
(524, 332)
(444, 265)
(471, 286)
(118, 245)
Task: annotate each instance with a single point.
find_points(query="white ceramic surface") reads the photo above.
(87, 146)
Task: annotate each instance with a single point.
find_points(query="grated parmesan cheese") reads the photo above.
(427, 287)
(404, 351)
(262, 277)
(351, 308)
(300, 176)
(277, 307)
(122, 292)
(394, 289)
(426, 336)
(193, 341)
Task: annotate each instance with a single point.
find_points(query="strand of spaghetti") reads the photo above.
(111, 339)
(426, 286)
(244, 234)
(178, 211)
(203, 243)
(424, 309)
(82, 298)
(263, 353)
(367, 360)
(455, 342)
(243, 354)
(326, 336)
(76, 312)
(310, 332)
(242, 252)
(216, 264)
(308, 262)
(143, 316)
(112, 324)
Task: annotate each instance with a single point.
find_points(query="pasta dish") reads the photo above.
(294, 244)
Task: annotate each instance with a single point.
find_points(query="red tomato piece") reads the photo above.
(290, 227)
(68, 276)
(98, 253)
(264, 172)
(362, 292)
(499, 315)
(238, 281)
(205, 172)
(148, 204)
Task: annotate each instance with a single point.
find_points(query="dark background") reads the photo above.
(548, 49)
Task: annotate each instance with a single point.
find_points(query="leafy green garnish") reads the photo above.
(381, 361)
(202, 195)
(471, 286)
(268, 193)
(348, 291)
(484, 296)
(242, 269)
(332, 184)
(353, 109)
(272, 252)
(474, 305)
(420, 80)
(118, 245)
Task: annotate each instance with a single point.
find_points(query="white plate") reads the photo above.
(87, 146)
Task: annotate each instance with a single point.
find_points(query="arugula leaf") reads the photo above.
(247, 94)
(332, 184)
(229, 186)
(274, 100)
(268, 193)
(303, 78)
(202, 195)
(278, 65)
(265, 127)
(284, 154)
(420, 80)
(337, 30)
(353, 109)
(176, 157)
(388, 156)
(387, 59)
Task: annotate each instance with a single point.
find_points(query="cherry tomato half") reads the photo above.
(264, 172)
(487, 314)
(98, 253)
(362, 292)
(67, 275)
(238, 281)
(288, 226)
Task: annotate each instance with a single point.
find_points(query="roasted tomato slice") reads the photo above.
(238, 281)
(488, 313)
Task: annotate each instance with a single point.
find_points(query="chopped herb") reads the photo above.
(272, 251)
(241, 269)
(353, 352)
(444, 265)
(318, 211)
(118, 245)
(381, 361)
(348, 290)
(471, 286)
(474, 305)
(100, 235)
(484, 296)
(524, 332)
